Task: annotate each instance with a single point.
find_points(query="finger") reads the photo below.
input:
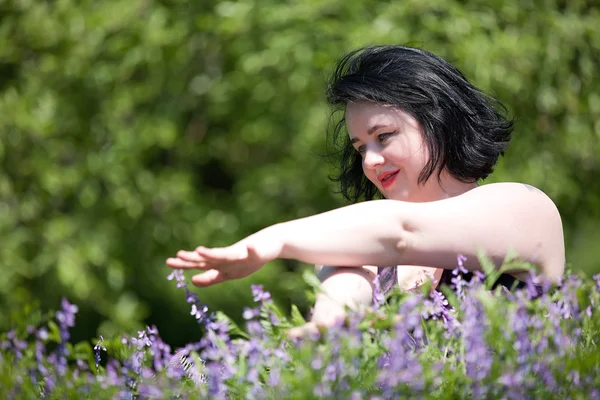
(221, 253)
(189, 256)
(179, 263)
(209, 278)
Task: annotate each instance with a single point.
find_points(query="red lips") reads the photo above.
(387, 178)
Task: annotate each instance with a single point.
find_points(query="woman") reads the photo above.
(416, 133)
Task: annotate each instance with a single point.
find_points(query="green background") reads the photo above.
(130, 129)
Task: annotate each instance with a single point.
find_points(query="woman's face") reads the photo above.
(393, 150)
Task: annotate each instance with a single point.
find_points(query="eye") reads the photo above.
(361, 149)
(383, 136)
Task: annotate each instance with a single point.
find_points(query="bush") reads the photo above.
(131, 129)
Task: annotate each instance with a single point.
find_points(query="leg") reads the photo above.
(342, 286)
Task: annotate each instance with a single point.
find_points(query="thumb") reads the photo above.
(208, 278)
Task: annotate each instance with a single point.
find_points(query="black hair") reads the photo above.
(464, 130)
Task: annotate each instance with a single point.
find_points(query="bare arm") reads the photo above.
(495, 218)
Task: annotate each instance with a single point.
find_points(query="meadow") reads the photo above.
(468, 341)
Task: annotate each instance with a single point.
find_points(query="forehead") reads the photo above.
(362, 116)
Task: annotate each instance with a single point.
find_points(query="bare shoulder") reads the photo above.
(496, 218)
(509, 189)
(512, 195)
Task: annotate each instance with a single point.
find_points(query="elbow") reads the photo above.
(395, 230)
(404, 233)
(402, 242)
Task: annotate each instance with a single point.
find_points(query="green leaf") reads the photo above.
(233, 328)
(273, 308)
(296, 315)
(311, 279)
(53, 332)
(267, 325)
(486, 263)
(583, 297)
(451, 296)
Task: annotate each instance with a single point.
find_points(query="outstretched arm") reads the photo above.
(348, 236)
(494, 218)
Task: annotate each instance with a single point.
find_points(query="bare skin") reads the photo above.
(420, 227)
(495, 218)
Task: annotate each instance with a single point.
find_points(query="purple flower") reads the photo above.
(479, 277)
(150, 392)
(259, 294)
(216, 385)
(355, 395)
(49, 384)
(511, 379)
(322, 391)
(400, 364)
(15, 343)
(541, 369)
(478, 360)
(254, 328)
(178, 275)
(152, 330)
(274, 377)
(142, 340)
(275, 321)
(190, 297)
(99, 346)
(317, 362)
(460, 260)
(42, 334)
(66, 317)
(459, 284)
(436, 307)
(198, 311)
(250, 313)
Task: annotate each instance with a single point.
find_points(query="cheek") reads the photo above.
(404, 149)
(421, 157)
(409, 155)
(369, 174)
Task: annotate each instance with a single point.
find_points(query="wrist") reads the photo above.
(268, 242)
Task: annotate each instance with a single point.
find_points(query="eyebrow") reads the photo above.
(370, 131)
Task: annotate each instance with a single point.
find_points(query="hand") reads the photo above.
(314, 326)
(227, 263)
(327, 313)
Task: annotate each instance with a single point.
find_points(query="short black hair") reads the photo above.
(464, 128)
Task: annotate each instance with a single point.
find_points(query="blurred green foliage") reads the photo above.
(130, 129)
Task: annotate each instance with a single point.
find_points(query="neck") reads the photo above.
(445, 188)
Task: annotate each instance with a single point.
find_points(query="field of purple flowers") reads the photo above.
(469, 343)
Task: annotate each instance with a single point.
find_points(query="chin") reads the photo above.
(401, 195)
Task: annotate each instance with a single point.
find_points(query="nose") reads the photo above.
(372, 158)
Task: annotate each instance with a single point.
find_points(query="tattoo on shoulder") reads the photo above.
(531, 188)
